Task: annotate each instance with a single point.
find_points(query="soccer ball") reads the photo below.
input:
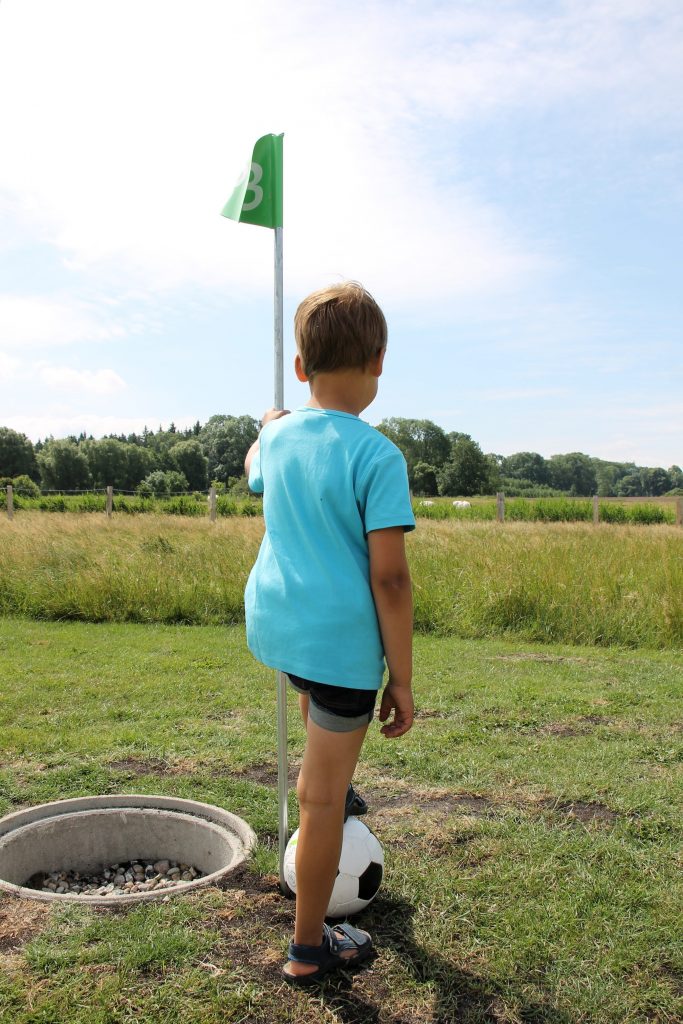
(360, 871)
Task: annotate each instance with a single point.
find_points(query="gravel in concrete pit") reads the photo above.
(117, 879)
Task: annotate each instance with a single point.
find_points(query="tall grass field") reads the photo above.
(194, 504)
(527, 510)
(547, 582)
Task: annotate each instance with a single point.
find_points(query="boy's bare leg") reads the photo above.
(303, 707)
(328, 765)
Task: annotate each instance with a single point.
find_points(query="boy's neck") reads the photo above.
(349, 391)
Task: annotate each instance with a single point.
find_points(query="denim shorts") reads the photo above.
(336, 708)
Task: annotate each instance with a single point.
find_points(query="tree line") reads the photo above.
(169, 461)
(441, 463)
(155, 463)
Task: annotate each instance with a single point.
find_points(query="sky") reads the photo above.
(505, 177)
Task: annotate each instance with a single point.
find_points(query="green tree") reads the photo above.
(107, 461)
(161, 483)
(225, 441)
(119, 463)
(526, 466)
(160, 443)
(424, 480)
(657, 481)
(573, 473)
(495, 479)
(676, 476)
(175, 481)
(607, 475)
(631, 485)
(467, 470)
(63, 467)
(17, 455)
(140, 462)
(25, 487)
(189, 459)
(419, 440)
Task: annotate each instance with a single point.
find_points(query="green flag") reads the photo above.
(257, 197)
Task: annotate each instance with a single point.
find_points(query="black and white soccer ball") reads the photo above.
(360, 871)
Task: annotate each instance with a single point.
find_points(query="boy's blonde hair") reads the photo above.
(338, 328)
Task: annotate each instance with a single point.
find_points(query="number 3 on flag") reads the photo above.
(255, 175)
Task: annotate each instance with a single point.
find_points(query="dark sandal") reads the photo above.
(355, 805)
(327, 956)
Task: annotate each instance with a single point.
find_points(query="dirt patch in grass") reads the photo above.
(256, 923)
(20, 920)
(447, 844)
(582, 811)
(142, 766)
(549, 659)
(266, 774)
(673, 977)
(562, 730)
(577, 727)
(443, 803)
(440, 712)
(158, 767)
(220, 716)
(23, 765)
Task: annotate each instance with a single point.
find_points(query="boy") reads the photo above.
(329, 598)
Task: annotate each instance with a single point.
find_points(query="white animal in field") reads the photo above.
(462, 504)
(427, 503)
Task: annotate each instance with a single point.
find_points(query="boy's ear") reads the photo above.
(299, 369)
(376, 364)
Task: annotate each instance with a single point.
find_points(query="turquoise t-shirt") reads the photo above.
(328, 479)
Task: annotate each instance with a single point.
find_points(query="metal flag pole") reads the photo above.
(257, 199)
(281, 683)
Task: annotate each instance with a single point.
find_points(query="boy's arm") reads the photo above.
(271, 414)
(249, 458)
(393, 597)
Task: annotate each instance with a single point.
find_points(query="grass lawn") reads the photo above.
(531, 823)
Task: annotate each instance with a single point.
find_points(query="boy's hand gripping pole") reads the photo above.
(281, 682)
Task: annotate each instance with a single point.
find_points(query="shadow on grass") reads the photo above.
(459, 997)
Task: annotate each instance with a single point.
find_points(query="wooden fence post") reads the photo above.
(110, 501)
(212, 504)
(679, 511)
(10, 502)
(596, 510)
(500, 507)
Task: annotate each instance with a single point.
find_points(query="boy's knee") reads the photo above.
(319, 793)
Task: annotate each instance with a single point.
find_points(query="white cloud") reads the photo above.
(96, 382)
(126, 172)
(37, 321)
(613, 56)
(130, 121)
